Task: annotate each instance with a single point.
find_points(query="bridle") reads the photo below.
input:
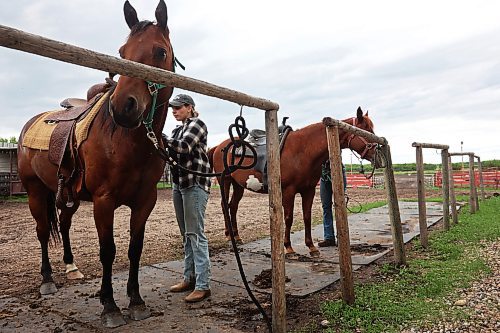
(350, 136)
(367, 148)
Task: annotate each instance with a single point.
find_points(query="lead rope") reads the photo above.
(242, 132)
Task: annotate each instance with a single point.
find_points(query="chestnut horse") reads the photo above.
(119, 166)
(301, 157)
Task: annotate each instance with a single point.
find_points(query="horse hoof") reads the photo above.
(291, 256)
(112, 319)
(48, 288)
(315, 254)
(139, 312)
(75, 275)
(238, 241)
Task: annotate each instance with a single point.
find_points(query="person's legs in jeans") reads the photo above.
(325, 192)
(189, 275)
(195, 201)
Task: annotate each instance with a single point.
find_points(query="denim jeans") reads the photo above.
(325, 193)
(190, 204)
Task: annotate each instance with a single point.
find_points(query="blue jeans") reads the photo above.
(325, 193)
(190, 204)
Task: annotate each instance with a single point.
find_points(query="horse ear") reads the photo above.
(130, 14)
(366, 114)
(161, 14)
(359, 115)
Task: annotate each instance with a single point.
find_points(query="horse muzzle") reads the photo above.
(129, 116)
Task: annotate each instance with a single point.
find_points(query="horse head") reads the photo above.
(366, 150)
(148, 43)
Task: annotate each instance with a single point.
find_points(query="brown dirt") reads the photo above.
(20, 250)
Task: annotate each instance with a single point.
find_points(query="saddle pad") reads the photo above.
(38, 135)
(83, 126)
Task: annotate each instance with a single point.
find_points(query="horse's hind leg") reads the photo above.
(288, 204)
(42, 206)
(233, 210)
(307, 201)
(72, 272)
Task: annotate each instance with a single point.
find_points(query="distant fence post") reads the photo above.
(453, 198)
(481, 182)
(345, 260)
(422, 210)
(446, 189)
(473, 191)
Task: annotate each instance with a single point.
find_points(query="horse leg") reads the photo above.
(40, 201)
(111, 315)
(307, 201)
(233, 210)
(139, 215)
(227, 215)
(288, 203)
(72, 272)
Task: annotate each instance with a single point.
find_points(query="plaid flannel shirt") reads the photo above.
(189, 145)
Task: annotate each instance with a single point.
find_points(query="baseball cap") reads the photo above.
(181, 99)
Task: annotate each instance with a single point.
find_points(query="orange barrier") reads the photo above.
(491, 178)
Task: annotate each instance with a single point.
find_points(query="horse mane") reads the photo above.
(370, 122)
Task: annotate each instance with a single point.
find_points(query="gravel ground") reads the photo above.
(481, 301)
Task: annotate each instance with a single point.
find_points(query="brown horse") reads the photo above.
(301, 157)
(118, 166)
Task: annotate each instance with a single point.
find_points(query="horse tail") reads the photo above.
(52, 219)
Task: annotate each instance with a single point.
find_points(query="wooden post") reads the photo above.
(422, 213)
(394, 215)
(446, 189)
(481, 182)
(453, 198)
(472, 183)
(276, 221)
(345, 260)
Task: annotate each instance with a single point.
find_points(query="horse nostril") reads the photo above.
(131, 105)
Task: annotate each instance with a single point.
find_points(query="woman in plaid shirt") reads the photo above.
(190, 194)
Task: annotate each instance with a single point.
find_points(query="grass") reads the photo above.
(419, 292)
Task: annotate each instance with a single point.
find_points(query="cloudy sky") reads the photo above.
(427, 71)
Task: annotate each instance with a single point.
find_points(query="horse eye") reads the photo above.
(160, 53)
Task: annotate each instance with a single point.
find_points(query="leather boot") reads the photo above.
(182, 286)
(327, 243)
(197, 296)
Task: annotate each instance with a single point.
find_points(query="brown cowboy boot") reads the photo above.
(182, 286)
(327, 243)
(198, 296)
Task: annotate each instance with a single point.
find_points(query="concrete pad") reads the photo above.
(169, 311)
